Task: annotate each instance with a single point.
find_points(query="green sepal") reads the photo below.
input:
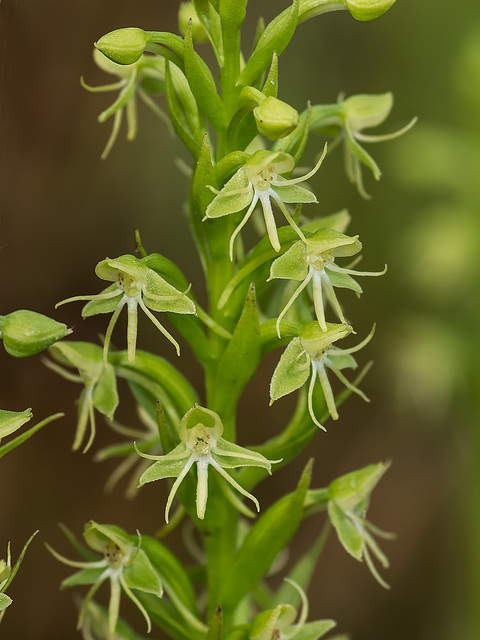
(294, 193)
(343, 281)
(292, 371)
(98, 535)
(183, 109)
(105, 395)
(215, 629)
(87, 357)
(239, 360)
(25, 333)
(203, 85)
(235, 196)
(275, 37)
(353, 488)
(166, 269)
(268, 536)
(141, 575)
(292, 264)
(348, 534)
(10, 421)
(170, 466)
(5, 601)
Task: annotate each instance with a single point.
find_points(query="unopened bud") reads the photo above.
(275, 119)
(123, 46)
(26, 333)
(366, 10)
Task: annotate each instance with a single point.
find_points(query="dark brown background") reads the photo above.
(63, 210)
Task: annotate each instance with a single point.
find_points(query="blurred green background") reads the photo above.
(63, 210)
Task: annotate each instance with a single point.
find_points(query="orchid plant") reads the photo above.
(246, 145)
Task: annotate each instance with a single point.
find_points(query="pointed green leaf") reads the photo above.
(348, 534)
(105, 396)
(215, 629)
(276, 37)
(203, 85)
(239, 360)
(269, 535)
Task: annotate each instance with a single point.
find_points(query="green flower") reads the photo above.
(278, 623)
(143, 77)
(313, 261)
(124, 564)
(134, 285)
(201, 443)
(314, 352)
(351, 116)
(260, 180)
(100, 390)
(349, 496)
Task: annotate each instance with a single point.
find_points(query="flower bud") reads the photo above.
(26, 333)
(185, 13)
(275, 118)
(365, 10)
(123, 46)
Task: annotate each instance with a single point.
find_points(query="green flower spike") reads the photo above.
(349, 497)
(259, 180)
(7, 574)
(145, 76)
(134, 284)
(314, 350)
(200, 433)
(100, 390)
(313, 260)
(277, 624)
(353, 115)
(124, 564)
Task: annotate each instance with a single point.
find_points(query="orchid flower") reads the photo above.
(201, 443)
(314, 352)
(349, 496)
(134, 285)
(313, 261)
(260, 180)
(124, 564)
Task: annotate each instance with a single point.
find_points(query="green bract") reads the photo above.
(100, 390)
(200, 432)
(145, 76)
(352, 116)
(125, 564)
(349, 496)
(26, 333)
(259, 180)
(315, 352)
(313, 260)
(135, 285)
(186, 13)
